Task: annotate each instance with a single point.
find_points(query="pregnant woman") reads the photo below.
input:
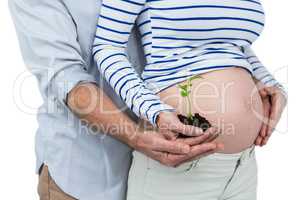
(181, 39)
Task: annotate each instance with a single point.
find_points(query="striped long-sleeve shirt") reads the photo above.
(181, 38)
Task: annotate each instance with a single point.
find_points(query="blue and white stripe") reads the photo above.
(180, 39)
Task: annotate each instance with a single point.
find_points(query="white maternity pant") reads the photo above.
(215, 177)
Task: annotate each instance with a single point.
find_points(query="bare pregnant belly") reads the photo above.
(230, 100)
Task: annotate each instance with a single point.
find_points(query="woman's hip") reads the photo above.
(209, 178)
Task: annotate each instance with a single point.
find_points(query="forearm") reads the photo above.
(90, 103)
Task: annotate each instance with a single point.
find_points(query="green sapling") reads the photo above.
(185, 91)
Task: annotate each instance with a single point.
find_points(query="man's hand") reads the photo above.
(168, 122)
(153, 144)
(274, 103)
(175, 152)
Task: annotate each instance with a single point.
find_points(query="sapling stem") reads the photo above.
(190, 114)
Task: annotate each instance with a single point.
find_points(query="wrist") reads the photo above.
(130, 135)
(283, 92)
(160, 115)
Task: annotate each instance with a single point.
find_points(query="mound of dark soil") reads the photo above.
(197, 120)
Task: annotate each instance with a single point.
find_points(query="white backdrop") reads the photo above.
(279, 166)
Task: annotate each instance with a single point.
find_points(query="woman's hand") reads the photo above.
(274, 103)
(169, 125)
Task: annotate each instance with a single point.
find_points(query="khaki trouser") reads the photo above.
(215, 177)
(47, 188)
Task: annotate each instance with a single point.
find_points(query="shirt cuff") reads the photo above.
(153, 112)
(282, 90)
(67, 79)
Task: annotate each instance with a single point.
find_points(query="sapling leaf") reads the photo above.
(184, 93)
(183, 87)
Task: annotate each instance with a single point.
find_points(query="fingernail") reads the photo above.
(221, 146)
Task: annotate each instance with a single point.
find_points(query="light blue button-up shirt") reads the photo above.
(55, 38)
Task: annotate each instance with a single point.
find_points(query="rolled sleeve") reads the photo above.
(48, 41)
(68, 79)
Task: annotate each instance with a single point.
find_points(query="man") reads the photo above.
(75, 157)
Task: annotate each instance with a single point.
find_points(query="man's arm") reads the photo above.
(48, 40)
(90, 103)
